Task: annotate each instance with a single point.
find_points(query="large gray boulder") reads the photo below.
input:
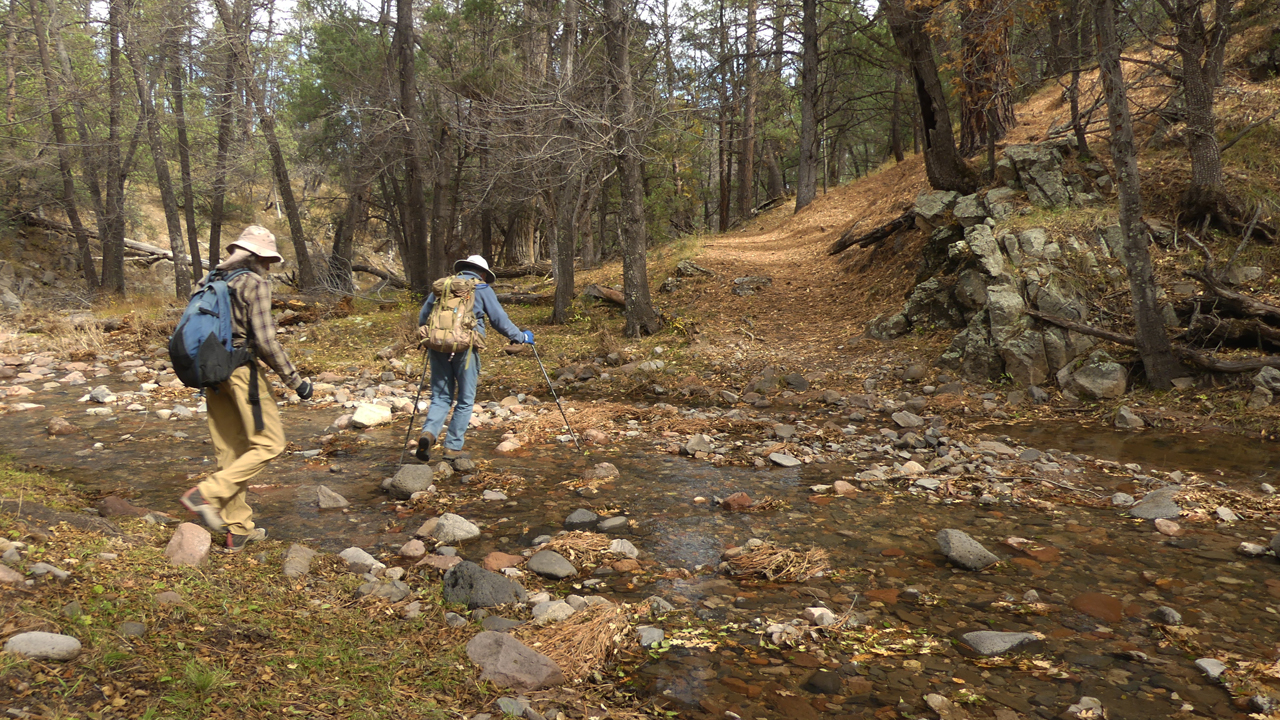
(469, 584)
(1024, 358)
(507, 662)
(931, 208)
(932, 304)
(1269, 378)
(297, 560)
(970, 210)
(454, 529)
(552, 564)
(1039, 170)
(1100, 378)
(964, 551)
(991, 642)
(409, 480)
(982, 243)
(43, 646)
(189, 545)
(1158, 504)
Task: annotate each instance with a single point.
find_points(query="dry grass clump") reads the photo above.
(587, 641)
(580, 547)
(778, 564)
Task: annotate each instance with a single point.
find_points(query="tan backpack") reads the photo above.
(452, 325)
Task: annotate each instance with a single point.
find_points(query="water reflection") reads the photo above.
(1237, 458)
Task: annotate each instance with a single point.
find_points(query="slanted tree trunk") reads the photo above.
(943, 165)
(807, 170)
(267, 120)
(1158, 359)
(172, 221)
(184, 165)
(64, 149)
(1077, 32)
(640, 316)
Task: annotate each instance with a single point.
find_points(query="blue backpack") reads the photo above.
(201, 349)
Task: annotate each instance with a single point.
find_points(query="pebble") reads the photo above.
(1212, 669)
(1168, 527)
(1249, 549)
(649, 635)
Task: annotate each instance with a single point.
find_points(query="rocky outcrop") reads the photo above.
(983, 280)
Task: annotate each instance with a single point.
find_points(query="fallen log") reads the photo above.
(1186, 355)
(883, 232)
(524, 298)
(147, 249)
(514, 271)
(603, 293)
(1235, 300)
(391, 279)
(1207, 330)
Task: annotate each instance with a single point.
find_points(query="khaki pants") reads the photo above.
(241, 453)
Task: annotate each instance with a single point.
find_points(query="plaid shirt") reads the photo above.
(251, 318)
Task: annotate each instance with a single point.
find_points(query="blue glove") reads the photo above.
(527, 337)
(304, 390)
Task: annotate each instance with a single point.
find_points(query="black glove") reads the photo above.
(304, 390)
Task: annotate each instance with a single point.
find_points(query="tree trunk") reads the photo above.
(1158, 359)
(226, 86)
(747, 154)
(640, 316)
(986, 106)
(267, 120)
(895, 121)
(184, 165)
(172, 221)
(943, 165)
(565, 242)
(11, 61)
(418, 268)
(1075, 45)
(344, 240)
(113, 241)
(64, 149)
(807, 171)
(1201, 46)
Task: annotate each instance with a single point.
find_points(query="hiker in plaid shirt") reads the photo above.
(244, 421)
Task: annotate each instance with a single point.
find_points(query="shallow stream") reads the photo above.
(887, 567)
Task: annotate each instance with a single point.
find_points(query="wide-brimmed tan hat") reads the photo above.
(259, 241)
(477, 264)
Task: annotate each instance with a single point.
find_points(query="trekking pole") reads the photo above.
(412, 414)
(572, 434)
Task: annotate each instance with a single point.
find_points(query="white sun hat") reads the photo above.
(259, 241)
(477, 264)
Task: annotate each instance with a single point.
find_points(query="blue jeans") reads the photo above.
(453, 377)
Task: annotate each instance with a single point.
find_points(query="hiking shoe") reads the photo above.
(425, 441)
(456, 455)
(236, 543)
(195, 502)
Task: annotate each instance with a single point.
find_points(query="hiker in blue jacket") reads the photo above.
(454, 375)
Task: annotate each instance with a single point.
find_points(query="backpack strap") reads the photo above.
(255, 402)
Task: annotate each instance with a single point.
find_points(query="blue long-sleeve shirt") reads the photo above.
(486, 305)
